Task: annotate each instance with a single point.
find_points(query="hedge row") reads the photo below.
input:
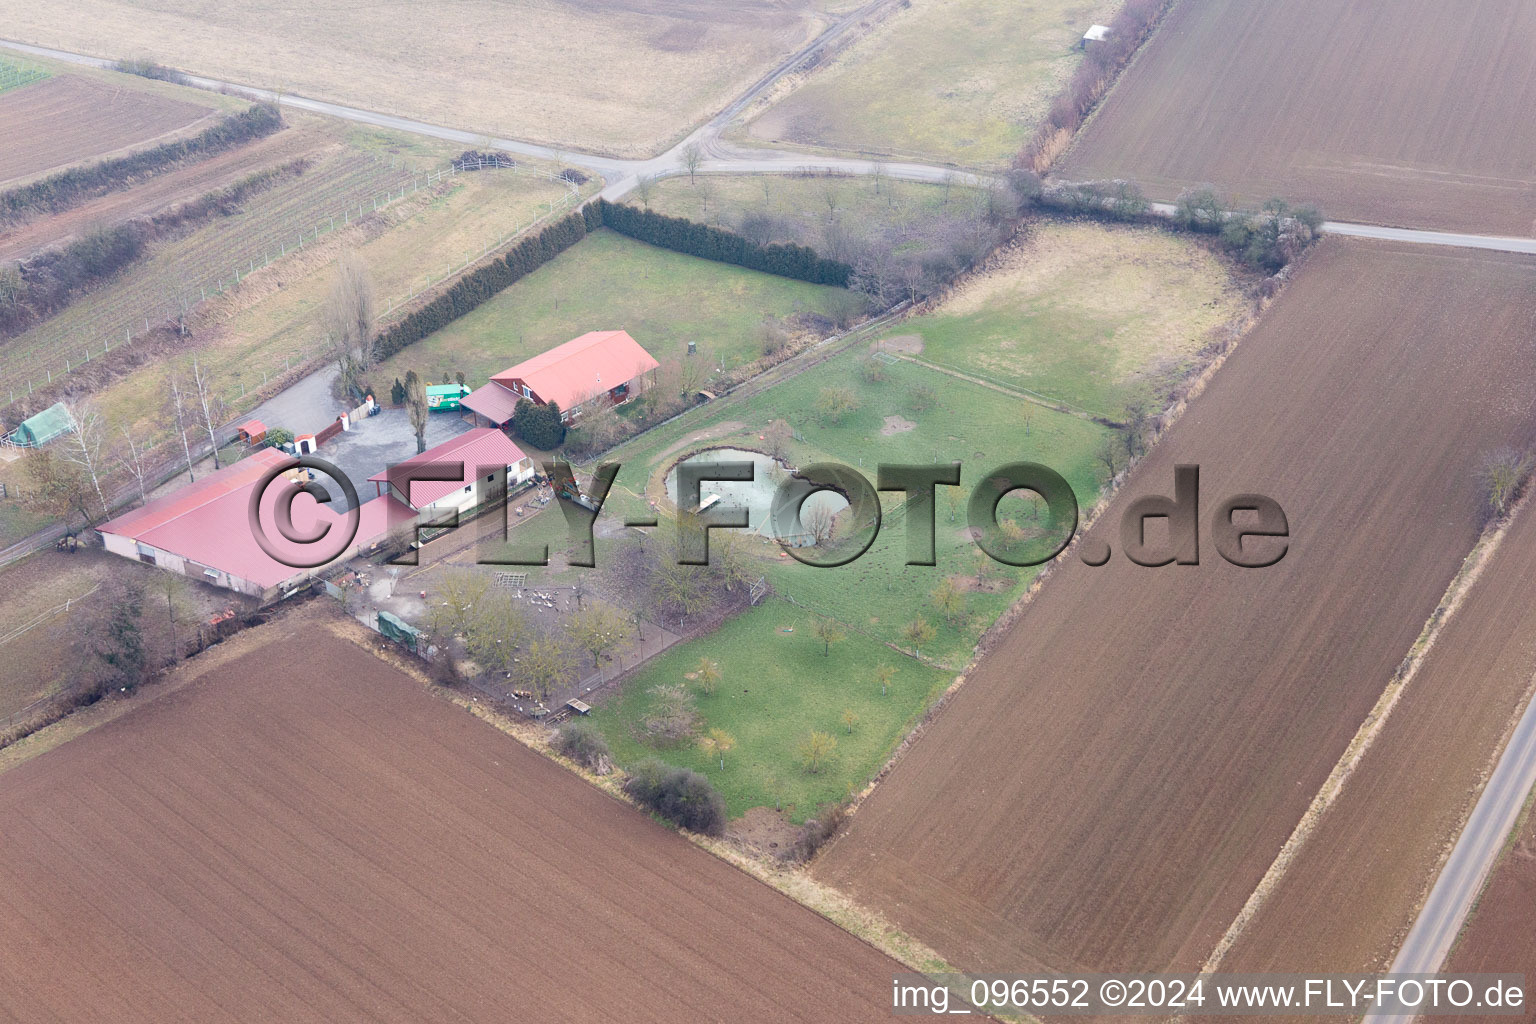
(682, 235)
(794, 261)
(69, 188)
(38, 287)
(485, 282)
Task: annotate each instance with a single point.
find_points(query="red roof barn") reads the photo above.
(203, 530)
(599, 363)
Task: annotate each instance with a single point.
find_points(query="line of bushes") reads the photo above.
(71, 187)
(36, 288)
(146, 68)
(676, 233)
(1092, 79)
(485, 282)
(682, 235)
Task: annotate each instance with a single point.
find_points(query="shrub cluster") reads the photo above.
(146, 68)
(814, 834)
(485, 282)
(681, 796)
(580, 741)
(1266, 239)
(73, 186)
(682, 235)
(1116, 200)
(539, 425)
(1092, 79)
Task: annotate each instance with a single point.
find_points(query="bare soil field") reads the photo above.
(620, 76)
(67, 118)
(1348, 900)
(1499, 937)
(1122, 766)
(158, 192)
(1410, 116)
(306, 834)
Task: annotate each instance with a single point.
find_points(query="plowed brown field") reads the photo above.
(159, 192)
(1414, 113)
(67, 118)
(307, 835)
(1347, 901)
(1120, 770)
(1500, 938)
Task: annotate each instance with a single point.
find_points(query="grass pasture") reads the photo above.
(955, 81)
(1093, 316)
(664, 299)
(616, 76)
(777, 686)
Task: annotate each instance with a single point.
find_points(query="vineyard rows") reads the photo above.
(212, 259)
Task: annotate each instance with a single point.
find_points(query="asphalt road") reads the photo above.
(1471, 860)
(1475, 853)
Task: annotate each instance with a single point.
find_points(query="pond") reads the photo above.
(756, 496)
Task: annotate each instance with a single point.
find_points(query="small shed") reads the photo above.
(36, 431)
(251, 432)
(1095, 34)
(445, 397)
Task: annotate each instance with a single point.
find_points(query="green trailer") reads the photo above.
(446, 397)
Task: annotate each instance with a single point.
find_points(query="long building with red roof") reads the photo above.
(204, 530)
(600, 365)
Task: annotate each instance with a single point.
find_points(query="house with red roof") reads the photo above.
(607, 366)
(486, 455)
(204, 530)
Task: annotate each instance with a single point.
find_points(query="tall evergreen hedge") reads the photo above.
(682, 235)
(483, 283)
(676, 233)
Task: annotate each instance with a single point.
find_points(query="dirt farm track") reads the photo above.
(305, 834)
(1413, 113)
(1119, 772)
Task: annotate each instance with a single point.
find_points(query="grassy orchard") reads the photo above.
(981, 427)
(775, 688)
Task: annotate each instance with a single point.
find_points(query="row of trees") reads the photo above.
(483, 283)
(71, 187)
(1092, 79)
(74, 478)
(682, 235)
(35, 288)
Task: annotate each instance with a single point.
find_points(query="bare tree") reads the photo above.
(645, 189)
(83, 447)
(877, 175)
(416, 407)
(348, 316)
(178, 407)
(133, 458)
(693, 156)
(209, 403)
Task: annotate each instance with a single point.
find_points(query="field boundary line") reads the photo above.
(1472, 568)
(1198, 382)
(832, 905)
